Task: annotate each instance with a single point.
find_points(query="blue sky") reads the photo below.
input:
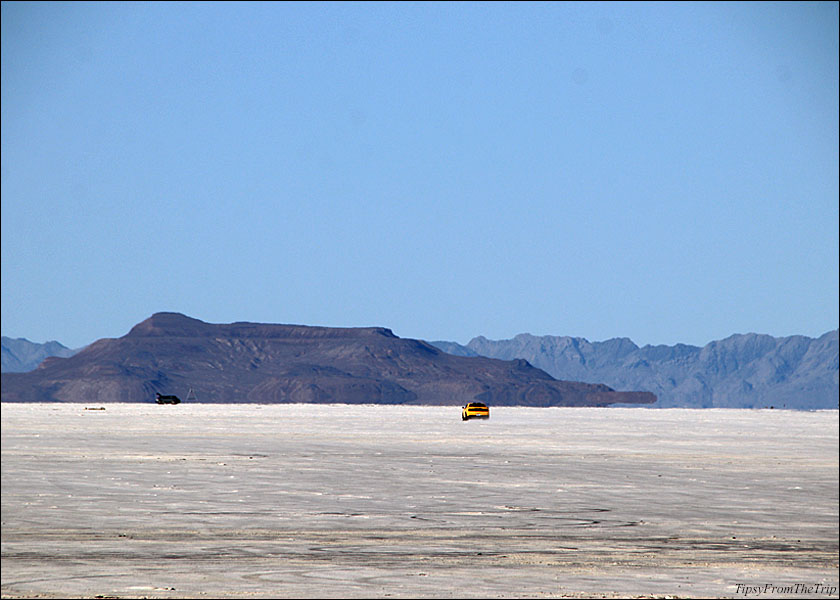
(666, 172)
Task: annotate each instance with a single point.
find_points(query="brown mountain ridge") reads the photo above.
(267, 363)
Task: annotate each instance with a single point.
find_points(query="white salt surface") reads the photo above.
(306, 501)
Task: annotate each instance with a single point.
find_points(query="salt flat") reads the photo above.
(313, 501)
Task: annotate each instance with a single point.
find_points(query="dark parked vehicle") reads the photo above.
(167, 399)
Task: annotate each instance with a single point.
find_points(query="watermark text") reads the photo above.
(812, 589)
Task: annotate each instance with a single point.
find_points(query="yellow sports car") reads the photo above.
(475, 410)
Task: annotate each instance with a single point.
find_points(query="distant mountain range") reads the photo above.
(741, 371)
(20, 355)
(171, 353)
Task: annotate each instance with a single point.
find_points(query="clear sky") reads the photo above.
(666, 172)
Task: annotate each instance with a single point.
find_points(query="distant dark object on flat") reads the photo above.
(167, 399)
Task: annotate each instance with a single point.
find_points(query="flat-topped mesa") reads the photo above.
(179, 325)
(243, 362)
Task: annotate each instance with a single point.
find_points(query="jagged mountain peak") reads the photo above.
(743, 370)
(20, 355)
